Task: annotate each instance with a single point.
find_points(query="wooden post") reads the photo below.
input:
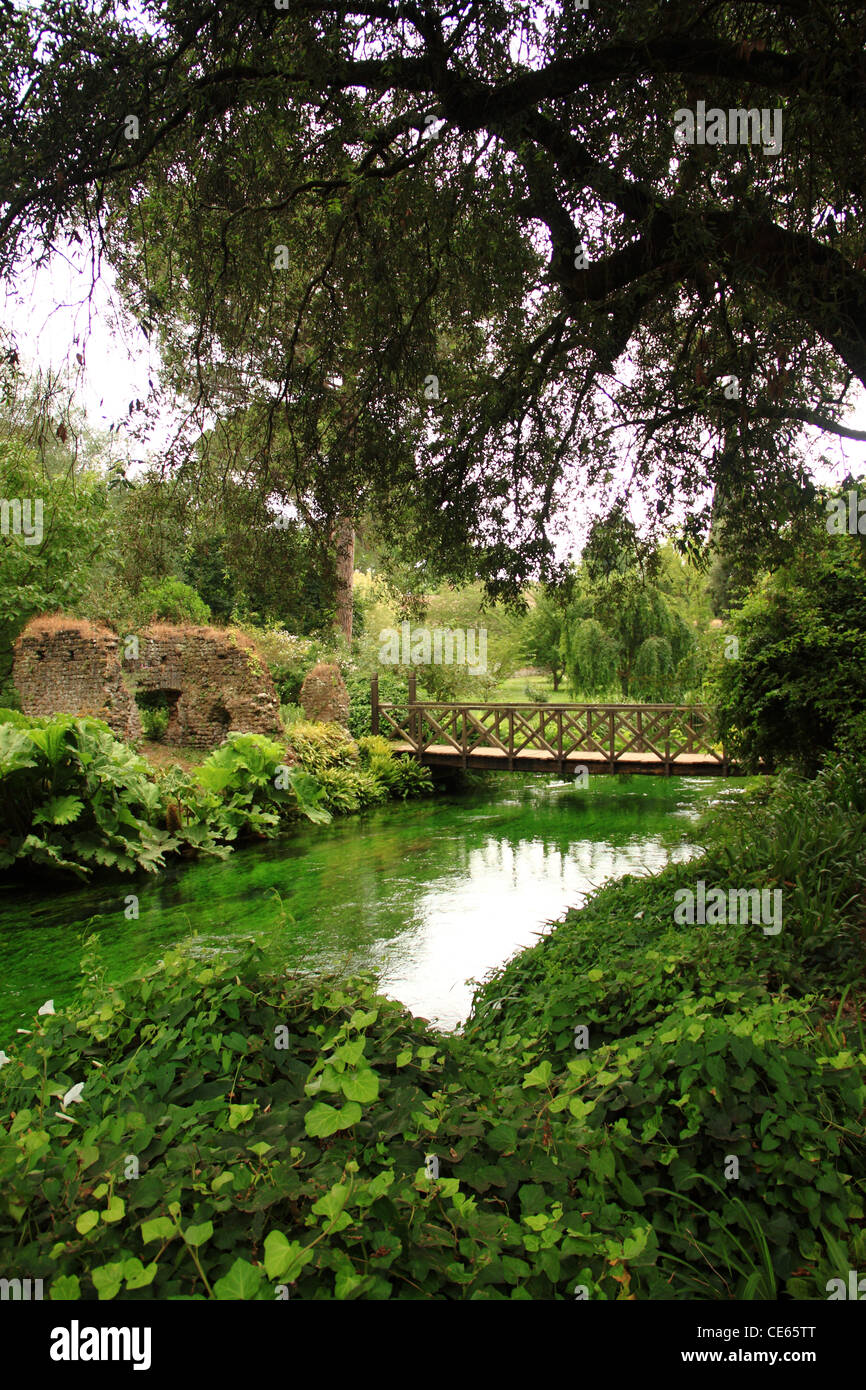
(413, 719)
(612, 719)
(511, 740)
(374, 704)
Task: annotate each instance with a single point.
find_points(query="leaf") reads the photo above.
(197, 1235)
(503, 1138)
(240, 1114)
(323, 1120)
(635, 1244)
(332, 1203)
(107, 1280)
(86, 1222)
(160, 1228)
(115, 1210)
(59, 810)
(138, 1275)
(602, 1163)
(284, 1259)
(362, 1086)
(380, 1184)
(65, 1287)
(539, 1076)
(243, 1281)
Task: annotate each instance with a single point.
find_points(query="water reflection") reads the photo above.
(430, 895)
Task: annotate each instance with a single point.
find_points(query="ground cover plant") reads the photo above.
(212, 1131)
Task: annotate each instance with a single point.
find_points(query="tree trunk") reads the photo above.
(344, 537)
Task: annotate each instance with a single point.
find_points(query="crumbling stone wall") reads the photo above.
(213, 680)
(324, 695)
(66, 666)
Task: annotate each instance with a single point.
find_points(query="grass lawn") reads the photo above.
(161, 755)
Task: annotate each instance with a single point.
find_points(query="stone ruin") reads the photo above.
(324, 696)
(213, 680)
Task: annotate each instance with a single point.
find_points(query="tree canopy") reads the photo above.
(448, 265)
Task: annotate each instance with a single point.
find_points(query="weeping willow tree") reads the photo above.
(621, 633)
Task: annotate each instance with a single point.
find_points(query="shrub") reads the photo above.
(415, 778)
(349, 789)
(258, 787)
(290, 715)
(170, 601)
(288, 657)
(392, 688)
(320, 746)
(402, 776)
(75, 798)
(800, 675)
(153, 712)
(308, 1109)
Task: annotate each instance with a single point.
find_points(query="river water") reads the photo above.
(431, 895)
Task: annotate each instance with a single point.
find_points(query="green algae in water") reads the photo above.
(429, 895)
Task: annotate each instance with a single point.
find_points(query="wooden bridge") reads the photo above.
(663, 740)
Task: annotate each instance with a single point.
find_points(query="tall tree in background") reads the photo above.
(476, 213)
(543, 635)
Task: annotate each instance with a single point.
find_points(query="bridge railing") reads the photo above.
(662, 732)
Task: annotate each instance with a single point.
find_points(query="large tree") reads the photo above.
(442, 263)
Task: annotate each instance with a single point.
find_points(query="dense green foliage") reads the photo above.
(74, 798)
(799, 677)
(170, 601)
(53, 568)
(392, 689)
(245, 1136)
(620, 631)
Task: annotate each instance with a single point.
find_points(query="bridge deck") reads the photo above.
(537, 760)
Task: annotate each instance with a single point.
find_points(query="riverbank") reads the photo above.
(430, 893)
(205, 1132)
